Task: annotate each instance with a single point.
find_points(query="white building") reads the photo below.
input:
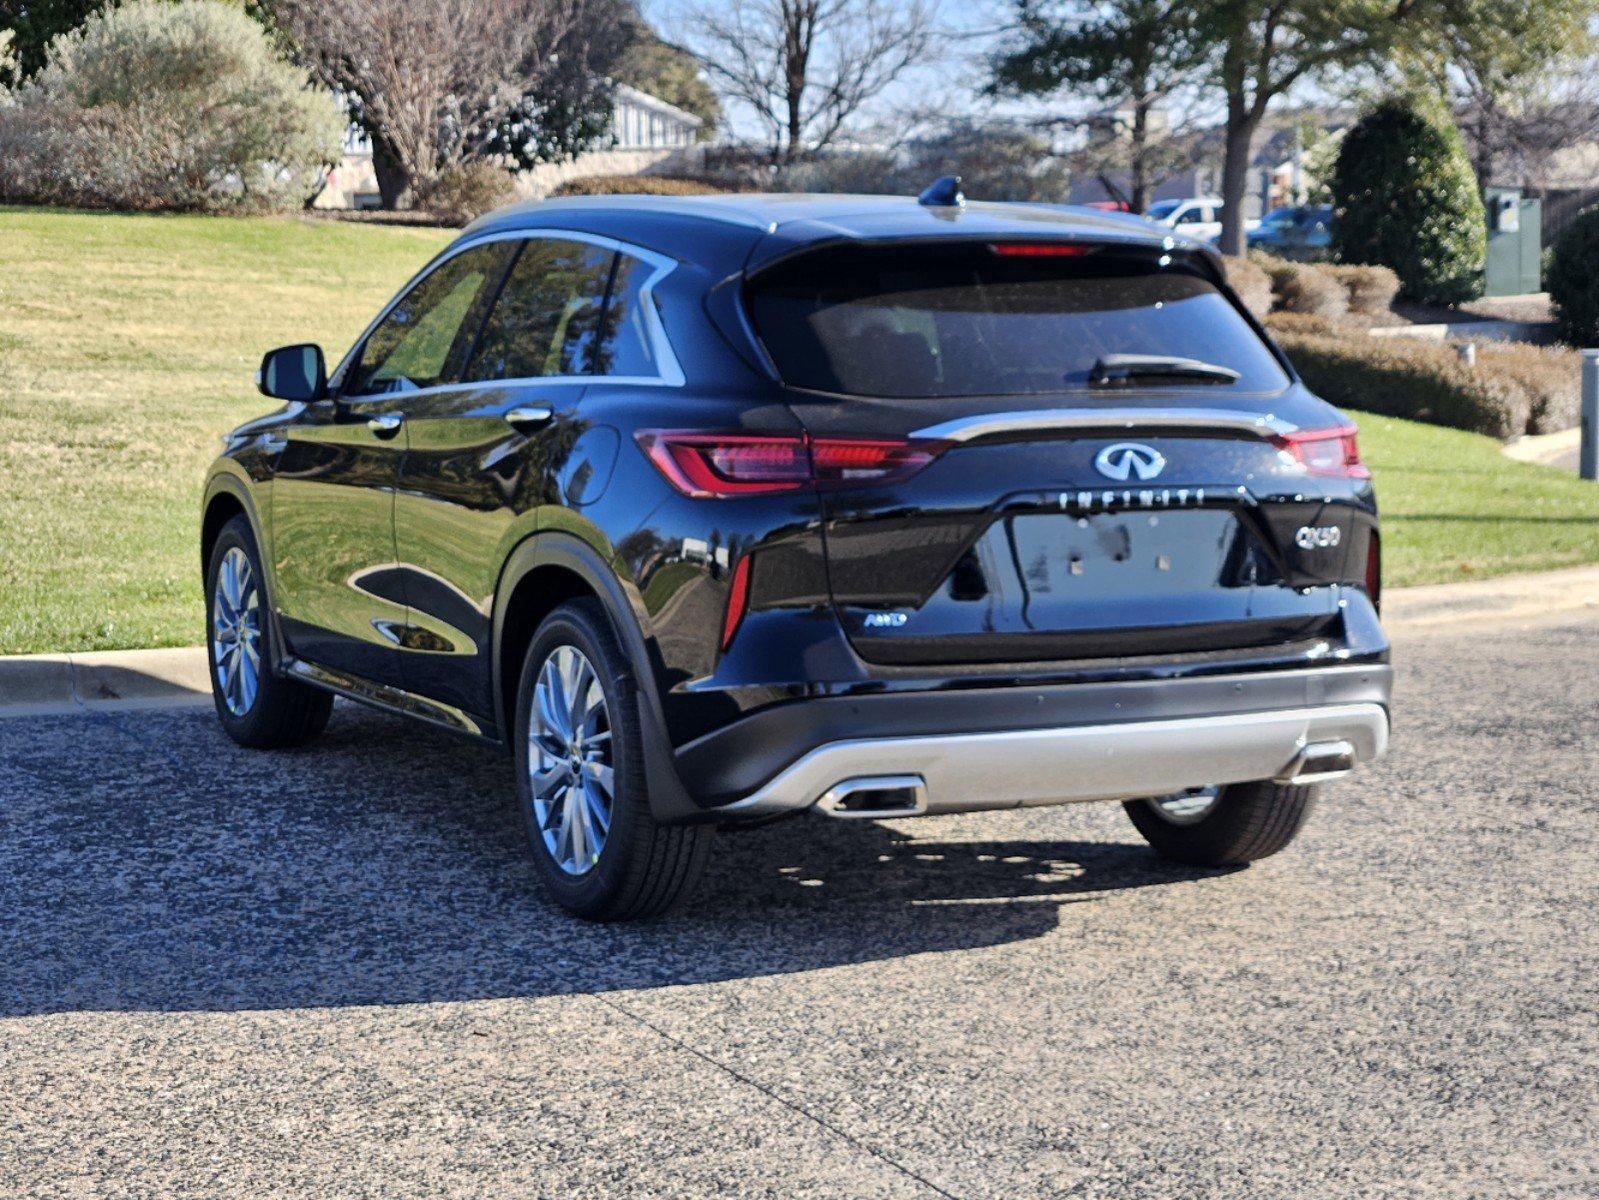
(648, 137)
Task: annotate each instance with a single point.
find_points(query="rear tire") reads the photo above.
(1247, 821)
(256, 707)
(599, 851)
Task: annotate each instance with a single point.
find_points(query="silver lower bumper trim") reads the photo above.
(974, 771)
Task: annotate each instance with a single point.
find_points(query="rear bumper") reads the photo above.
(990, 747)
(974, 771)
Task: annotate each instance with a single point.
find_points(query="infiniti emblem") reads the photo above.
(1124, 460)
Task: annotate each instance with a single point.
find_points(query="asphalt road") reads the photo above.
(328, 974)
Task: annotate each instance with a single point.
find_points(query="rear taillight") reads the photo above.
(723, 465)
(1326, 451)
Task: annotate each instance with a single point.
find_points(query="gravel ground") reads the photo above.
(328, 974)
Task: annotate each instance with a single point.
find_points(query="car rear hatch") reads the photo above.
(1047, 451)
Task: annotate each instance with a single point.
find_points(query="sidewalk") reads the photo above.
(34, 685)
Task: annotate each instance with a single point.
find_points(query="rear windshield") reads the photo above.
(964, 320)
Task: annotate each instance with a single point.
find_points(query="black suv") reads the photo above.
(718, 510)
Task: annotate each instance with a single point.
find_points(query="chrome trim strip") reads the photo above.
(1022, 768)
(381, 695)
(966, 429)
(671, 372)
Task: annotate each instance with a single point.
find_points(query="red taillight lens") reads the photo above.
(738, 600)
(1038, 249)
(721, 465)
(847, 461)
(711, 465)
(1327, 451)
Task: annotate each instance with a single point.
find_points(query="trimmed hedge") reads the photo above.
(1307, 289)
(1406, 377)
(1514, 388)
(1404, 196)
(637, 185)
(1573, 280)
(1551, 376)
(1314, 288)
(1253, 285)
(461, 194)
(1372, 290)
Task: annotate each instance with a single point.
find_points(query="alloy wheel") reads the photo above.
(236, 632)
(1186, 808)
(569, 757)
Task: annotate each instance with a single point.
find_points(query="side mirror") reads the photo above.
(294, 373)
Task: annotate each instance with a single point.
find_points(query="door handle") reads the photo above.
(525, 418)
(385, 425)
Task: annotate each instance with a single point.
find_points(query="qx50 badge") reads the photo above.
(1129, 460)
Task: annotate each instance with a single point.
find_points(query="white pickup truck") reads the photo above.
(1198, 217)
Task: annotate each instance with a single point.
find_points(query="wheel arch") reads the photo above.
(543, 572)
(227, 497)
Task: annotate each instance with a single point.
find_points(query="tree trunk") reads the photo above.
(1486, 133)
(1242, 122)
(1139, 175)
(395, 184)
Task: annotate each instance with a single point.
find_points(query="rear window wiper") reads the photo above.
(1119, 370)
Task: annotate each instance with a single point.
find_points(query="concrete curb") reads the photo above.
(38, 685)
(35, 685)
(1509, 599)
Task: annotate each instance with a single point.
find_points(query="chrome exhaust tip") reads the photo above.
(1319, 761)
(870, 797)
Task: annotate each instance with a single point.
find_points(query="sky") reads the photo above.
(951, 83)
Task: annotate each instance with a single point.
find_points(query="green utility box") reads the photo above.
(1515, 242)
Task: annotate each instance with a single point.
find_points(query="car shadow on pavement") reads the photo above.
(148, 864)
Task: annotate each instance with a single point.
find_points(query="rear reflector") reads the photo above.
(722, 465)
(1326, 451)
(738, 600)
(1374, 571)
(1038, 249)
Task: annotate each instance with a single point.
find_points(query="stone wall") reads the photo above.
(546, 177)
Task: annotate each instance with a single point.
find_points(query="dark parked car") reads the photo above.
(717, 510)
(1302, 232)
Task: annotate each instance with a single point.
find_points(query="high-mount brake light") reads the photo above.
(721, 465)
(1038, 249)
(1332, 452)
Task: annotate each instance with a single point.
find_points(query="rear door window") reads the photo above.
(624, 346)
(547, 318)
(966, 320)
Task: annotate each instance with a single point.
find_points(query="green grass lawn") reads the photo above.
(127, 344)
(1454, 507)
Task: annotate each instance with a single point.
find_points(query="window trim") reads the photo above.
(669, 373)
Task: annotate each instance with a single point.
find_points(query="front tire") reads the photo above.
(581, 783)
(1223, 827)
(257, 709)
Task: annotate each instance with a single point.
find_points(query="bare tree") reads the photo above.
(433, 82)
(805, 67)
